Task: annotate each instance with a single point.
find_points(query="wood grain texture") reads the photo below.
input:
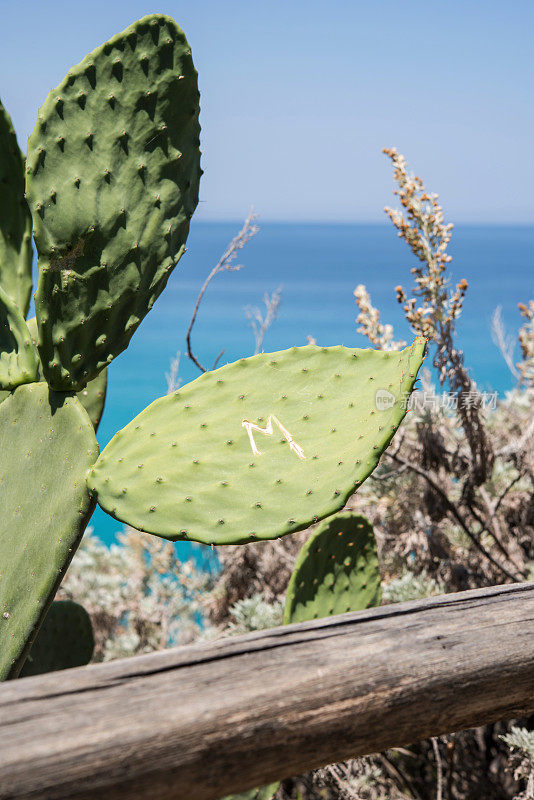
(199, 722)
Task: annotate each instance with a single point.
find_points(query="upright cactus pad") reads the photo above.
(112, 182)
(336, 571)
(65, 640)
(259, 448)
(92, 397)
(15, 219)
(47, 445)
(18, 359)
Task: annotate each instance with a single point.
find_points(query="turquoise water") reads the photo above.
(318, 267)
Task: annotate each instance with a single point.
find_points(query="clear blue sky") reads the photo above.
(299, 97)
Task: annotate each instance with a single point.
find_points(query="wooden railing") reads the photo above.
(199, 722)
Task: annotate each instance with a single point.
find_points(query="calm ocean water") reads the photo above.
(318, 267)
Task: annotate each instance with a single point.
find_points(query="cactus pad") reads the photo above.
(47, 444)
(15, 219)
(112, 182)
(18, 359)
(92, 397)
(336, 571)
(65, 640)
(200, 464)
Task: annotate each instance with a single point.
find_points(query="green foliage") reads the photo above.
(409, 586)
(140, 596)
(254, 614)
(65, 640)
(47, 444)
(336, 571)
(263, 793)
(15, 219)
(522, 740)
(112, 183)
(18, 359)
(185, 468)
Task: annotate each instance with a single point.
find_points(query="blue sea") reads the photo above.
(317, 267)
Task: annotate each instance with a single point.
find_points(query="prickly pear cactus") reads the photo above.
(112, 180)
(92, 397)
(15, 219)
(259, 448)
(336, 571)
(65, 640)
(113, 171)
(18, 359)
(47, 445)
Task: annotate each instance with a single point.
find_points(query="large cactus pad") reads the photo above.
(18, 358)
(259, 448)
(336, 571)
(47, 444)
(65, 640)
(112, 182)
(15, 219)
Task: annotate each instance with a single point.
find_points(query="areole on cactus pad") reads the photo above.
(259, 448)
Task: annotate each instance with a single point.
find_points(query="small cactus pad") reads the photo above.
(18, 358)
(92, 398)
(259, 448)
(263, 793)
(65, 640)
(15, 219)
(47, 444)
(336, 571)
(112, 182)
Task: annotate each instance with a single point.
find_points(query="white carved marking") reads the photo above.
(268, 431)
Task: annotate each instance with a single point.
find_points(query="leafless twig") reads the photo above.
(452, 508)
(260, 324)
(225, 263)
(439, 769)
(173, 381)
(503, 340)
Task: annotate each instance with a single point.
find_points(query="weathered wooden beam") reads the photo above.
(198, 722)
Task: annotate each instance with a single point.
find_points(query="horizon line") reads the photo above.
(371, 222)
